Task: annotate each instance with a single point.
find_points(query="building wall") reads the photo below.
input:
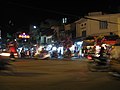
(119, 26)
(92, 25)
(56, 30)
(70, 30)
(78, 32)
(67, 27)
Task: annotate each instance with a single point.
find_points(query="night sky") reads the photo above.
(20, 13)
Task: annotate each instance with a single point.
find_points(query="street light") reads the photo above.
(34, 27)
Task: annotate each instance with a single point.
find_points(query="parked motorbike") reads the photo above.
(54, 54)
(44, 56)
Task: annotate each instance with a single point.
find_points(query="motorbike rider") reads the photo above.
(12, 57)
(42, 52)
(102, 50)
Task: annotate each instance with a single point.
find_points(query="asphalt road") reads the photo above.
(55, 75)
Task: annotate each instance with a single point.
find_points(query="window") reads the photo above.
(81, 24)
(64, 20)
(103, 24)
(83, 33)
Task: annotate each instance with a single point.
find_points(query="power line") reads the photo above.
(43, 9)
(101, 20)
(56, 12)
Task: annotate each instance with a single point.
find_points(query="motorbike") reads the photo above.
(115, 68)
(44, 56)
(98, 63)
(54, 54)
(114, 74)
(12, 57)
(5, 65)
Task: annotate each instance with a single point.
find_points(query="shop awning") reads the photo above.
(88, 43)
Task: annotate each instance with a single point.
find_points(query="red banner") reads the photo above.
(110, 42)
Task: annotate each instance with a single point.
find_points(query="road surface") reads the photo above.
(55, 75)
